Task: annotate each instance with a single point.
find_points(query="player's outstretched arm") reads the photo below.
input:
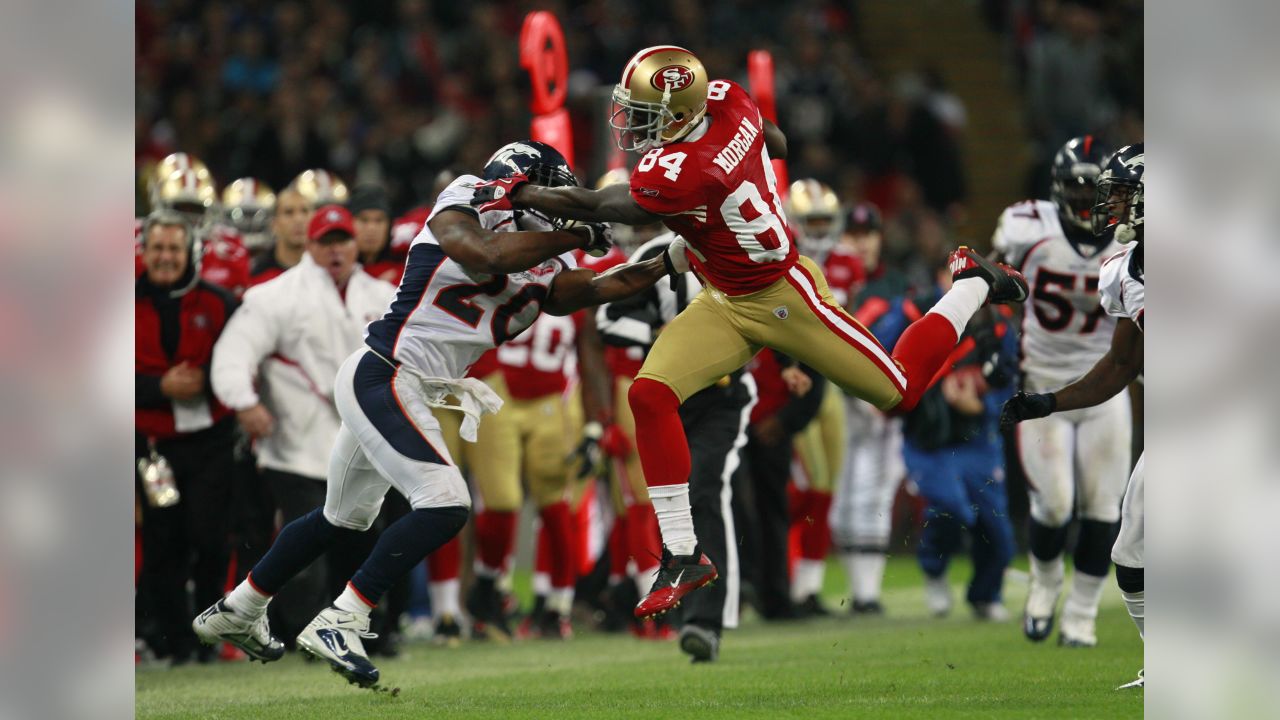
(775, 141)
(610, 204)
(581, 288)
(1111, 374)
(467, 243)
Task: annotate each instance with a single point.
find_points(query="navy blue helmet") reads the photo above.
(1076, 167)
(538, 161)
(541, 163)
(1119, 205)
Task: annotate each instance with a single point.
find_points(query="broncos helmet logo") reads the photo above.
(506, 155)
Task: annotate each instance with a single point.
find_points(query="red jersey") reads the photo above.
(718, 190)
(485, 366)
(845, 274)
(771, 389)
(405, 229)
(536, 363)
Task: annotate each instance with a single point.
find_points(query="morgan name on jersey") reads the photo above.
(1124, 285)
(1064, 329)
(718, 190)
(443, 317)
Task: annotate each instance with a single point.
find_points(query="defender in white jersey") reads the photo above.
(1118, 215)
(472, 281)
(1076, 462)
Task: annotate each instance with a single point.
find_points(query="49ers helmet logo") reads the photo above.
(672, 77)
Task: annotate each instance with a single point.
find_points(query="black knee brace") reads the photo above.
(1093, 546)
(1129, 579)
(1046, 542)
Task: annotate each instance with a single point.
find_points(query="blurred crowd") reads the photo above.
(356, 113)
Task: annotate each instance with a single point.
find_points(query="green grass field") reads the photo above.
(905, 665)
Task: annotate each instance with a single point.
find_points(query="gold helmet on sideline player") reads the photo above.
(171, 163)
(815, 214)
(661, 98)
(248, 204)
(320, 187)
(190, 193)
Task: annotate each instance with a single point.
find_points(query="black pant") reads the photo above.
(766, 523)
(713, 424)
(187, 541)
(253, 510)
(308, 592)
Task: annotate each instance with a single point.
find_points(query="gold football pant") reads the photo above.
(529, 438)
(820, 446)
(718, 333)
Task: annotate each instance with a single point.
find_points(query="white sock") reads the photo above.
(444, 598)
(541, 584)
(961, 302)
(246, 600)
(675, 519)
(1048, 573)
(644, 580)
(351, 601)
(560, 600)
(1082, 600)
(1137, 605)
(807, 579)
(867, 570)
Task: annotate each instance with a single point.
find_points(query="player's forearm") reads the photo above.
(596, 385)
(501, 253)
(1106, 379)
(615, 284)
(576, 203)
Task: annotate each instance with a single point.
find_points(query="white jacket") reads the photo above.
(291, 334)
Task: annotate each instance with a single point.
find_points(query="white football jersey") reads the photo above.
(1064, 330)
(443, 317)
(1124, 289)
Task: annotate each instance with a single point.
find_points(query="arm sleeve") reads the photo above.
(800, 411)
(249, 337)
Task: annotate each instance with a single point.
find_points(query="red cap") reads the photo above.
(330, 218)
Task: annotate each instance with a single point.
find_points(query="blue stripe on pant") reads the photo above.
(965, 490)
(375, 391)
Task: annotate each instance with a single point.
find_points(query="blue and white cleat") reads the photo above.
(334, 636)
(1141, 682)
(252, 635)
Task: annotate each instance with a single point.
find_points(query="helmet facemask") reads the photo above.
(637, 125)
(1076, 196)
(1118, 211)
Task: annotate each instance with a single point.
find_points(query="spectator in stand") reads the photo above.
(1066, 85)
(371, 211)
(289, 230)
(290, 337)
(178, 318)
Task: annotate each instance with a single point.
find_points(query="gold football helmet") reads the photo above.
(171, 164)
(190, 193)
(661, 98)
(320, 187)
(814, 210)
(249, 204)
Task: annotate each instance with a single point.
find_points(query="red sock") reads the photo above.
(643, 539)
(922, 351)
(446, 562)
(495, 537)
(815, 532)
(660, 440)
(618, 549)
(542, 552)
(557, 528)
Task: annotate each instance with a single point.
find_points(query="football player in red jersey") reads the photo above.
(706, 173)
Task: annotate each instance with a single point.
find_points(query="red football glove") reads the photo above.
(615, 442)
(497, 194)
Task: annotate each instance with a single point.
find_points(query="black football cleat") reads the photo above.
(700, 644)
(678, 575)
(484, 603)
(867, 607)
(1008, 287)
